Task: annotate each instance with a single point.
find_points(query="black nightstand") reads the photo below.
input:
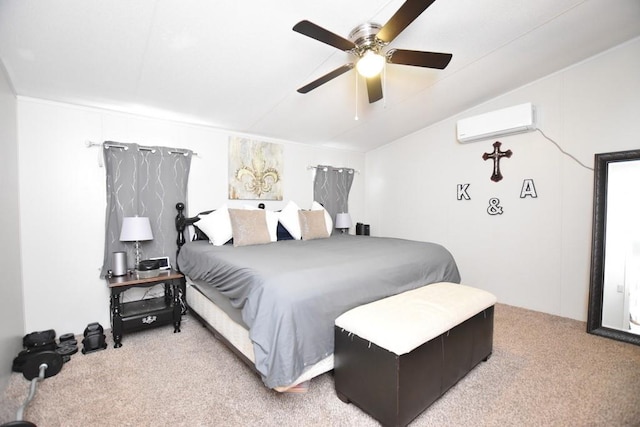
(147, 313)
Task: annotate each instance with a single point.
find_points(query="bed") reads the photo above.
(275, 304)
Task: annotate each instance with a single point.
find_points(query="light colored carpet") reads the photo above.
(545, 371)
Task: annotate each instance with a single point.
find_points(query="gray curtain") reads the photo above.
(331, 188)
(143, 181)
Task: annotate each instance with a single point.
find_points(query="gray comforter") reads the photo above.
(290, 292)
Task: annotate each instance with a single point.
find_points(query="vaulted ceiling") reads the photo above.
(236, 65)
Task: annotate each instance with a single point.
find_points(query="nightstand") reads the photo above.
(146, 313)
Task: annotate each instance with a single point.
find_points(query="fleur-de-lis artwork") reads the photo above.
(255, 170)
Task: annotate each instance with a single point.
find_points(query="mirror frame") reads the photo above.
(600, 180)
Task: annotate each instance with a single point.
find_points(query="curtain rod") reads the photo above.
(339, 169)
(90, 144)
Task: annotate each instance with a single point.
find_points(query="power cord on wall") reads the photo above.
(564, 152)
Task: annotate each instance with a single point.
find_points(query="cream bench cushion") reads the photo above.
(403, 322)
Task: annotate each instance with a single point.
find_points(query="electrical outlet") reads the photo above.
(620, 289)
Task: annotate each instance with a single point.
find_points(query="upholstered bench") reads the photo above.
(396, 356)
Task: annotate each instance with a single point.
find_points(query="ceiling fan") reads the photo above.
(367, 42)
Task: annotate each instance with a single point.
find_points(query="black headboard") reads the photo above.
(182, 223)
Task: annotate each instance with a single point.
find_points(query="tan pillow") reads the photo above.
(249, 227)
(312, 225)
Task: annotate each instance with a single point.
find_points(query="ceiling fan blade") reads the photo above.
(419, 58)
(314, 31)
(374, 89)
(322, 80)
(407, 13)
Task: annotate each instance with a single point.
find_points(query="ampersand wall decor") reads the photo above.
(496, 156)
(494, 206)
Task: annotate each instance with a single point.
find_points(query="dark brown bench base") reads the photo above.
(396, 389)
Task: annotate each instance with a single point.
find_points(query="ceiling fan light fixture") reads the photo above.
(371, 64)
(368, 43)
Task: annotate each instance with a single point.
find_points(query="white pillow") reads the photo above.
(272, 221)
(217, 225)
(315, 206)
(289, 219)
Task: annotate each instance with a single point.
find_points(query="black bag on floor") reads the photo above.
(34, 342)
(40, 341)
(19, 361)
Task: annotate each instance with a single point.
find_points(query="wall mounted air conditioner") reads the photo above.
(508, 121)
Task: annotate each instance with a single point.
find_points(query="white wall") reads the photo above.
(537, 253)
(62, 190)
(11, 302)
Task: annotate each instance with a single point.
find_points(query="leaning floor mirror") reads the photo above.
(614, 298)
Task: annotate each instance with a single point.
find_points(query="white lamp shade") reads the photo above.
(135, 229)
(343, 220)
(371, 64)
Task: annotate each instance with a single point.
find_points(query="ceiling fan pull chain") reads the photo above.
(384, 84)
(356, 117)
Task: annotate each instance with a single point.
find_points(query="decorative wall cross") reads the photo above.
(496, 156)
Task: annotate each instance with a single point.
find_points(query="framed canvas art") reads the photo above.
(255, 170)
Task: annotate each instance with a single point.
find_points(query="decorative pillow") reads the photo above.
(282, 233)
(249, 227)
(315, 206)
(194, 232)
(272, 221)
(198, 234)
(289, 219)
(217, 226)
(312, 225)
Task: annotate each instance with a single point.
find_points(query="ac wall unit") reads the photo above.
(508, 121)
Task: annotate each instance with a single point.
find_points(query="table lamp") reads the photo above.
(136, 229)
(343, 222)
